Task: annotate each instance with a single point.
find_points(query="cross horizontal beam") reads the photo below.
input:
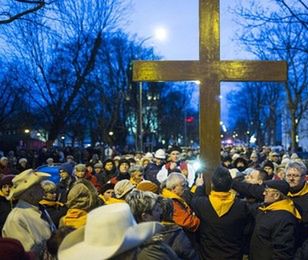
(194, 70)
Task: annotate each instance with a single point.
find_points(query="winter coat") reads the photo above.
(175, 237)
(275, 235)
(182, 213)
(150, 172)
(63, 187)
(55, 209)
(5, 208)
(221, 232)
(300, 200)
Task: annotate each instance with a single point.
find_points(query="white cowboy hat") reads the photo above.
(110, 230)
(24, 181)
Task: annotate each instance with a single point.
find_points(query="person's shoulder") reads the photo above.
(156, 248)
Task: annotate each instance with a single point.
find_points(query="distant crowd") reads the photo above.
(153, 205)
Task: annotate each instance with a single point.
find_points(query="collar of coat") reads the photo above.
(171, 195)
(302, 192)
(285, 204)
(221, 201)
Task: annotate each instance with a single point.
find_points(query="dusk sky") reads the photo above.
(180, 21)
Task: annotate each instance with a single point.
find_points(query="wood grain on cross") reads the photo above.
(210, 71)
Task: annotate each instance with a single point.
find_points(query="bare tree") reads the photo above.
(60, 52)
(282, 37)
(12, 10)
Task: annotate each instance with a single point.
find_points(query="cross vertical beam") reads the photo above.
(210, 71)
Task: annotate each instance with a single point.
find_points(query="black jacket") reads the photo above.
(175, 237)
(274, 236)
(5, 209)
(221, 237)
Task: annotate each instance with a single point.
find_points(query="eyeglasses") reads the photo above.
(295, 176)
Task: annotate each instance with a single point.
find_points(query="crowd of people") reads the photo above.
(155, 206)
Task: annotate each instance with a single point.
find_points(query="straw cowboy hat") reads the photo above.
(24, 181)
(110, 230)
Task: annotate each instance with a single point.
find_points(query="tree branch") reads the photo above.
(39, 5)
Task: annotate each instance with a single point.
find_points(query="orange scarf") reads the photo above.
(221, 202)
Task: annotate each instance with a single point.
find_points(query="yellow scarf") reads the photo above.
(221, 201)
(75, 218)
(51, 203)
(2, 194)
(111, 200)
(302, 192)
(286, 205)
(170, 195)
(193, 188)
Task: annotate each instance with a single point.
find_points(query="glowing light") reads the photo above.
(252, 139)
(27, 131)
(160, 33)
(229, 141)
(197, 165)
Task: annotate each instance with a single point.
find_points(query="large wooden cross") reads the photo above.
(210, 71)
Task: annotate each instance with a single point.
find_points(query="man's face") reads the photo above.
(270, 195)
(137, 176)
(294, 178)
(157, 161)
(4, 162)
(123, 167)
(275, 158)
(97, 169)
(109, 166)
(6, 189)
(108, 194)
(179, 188)
(174, 156)
(52, 195)
(254, 158)
(80, 174)
(64, 175)
(253, 177)
(268, 170)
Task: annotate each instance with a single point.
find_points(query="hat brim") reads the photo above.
(74, 247)
(14, 192)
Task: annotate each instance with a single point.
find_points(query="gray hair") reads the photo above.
(298, 166)
(48, 186)
(174, 179)
(135, 168)
(141, 202)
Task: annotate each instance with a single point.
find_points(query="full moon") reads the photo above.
(160, 33)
